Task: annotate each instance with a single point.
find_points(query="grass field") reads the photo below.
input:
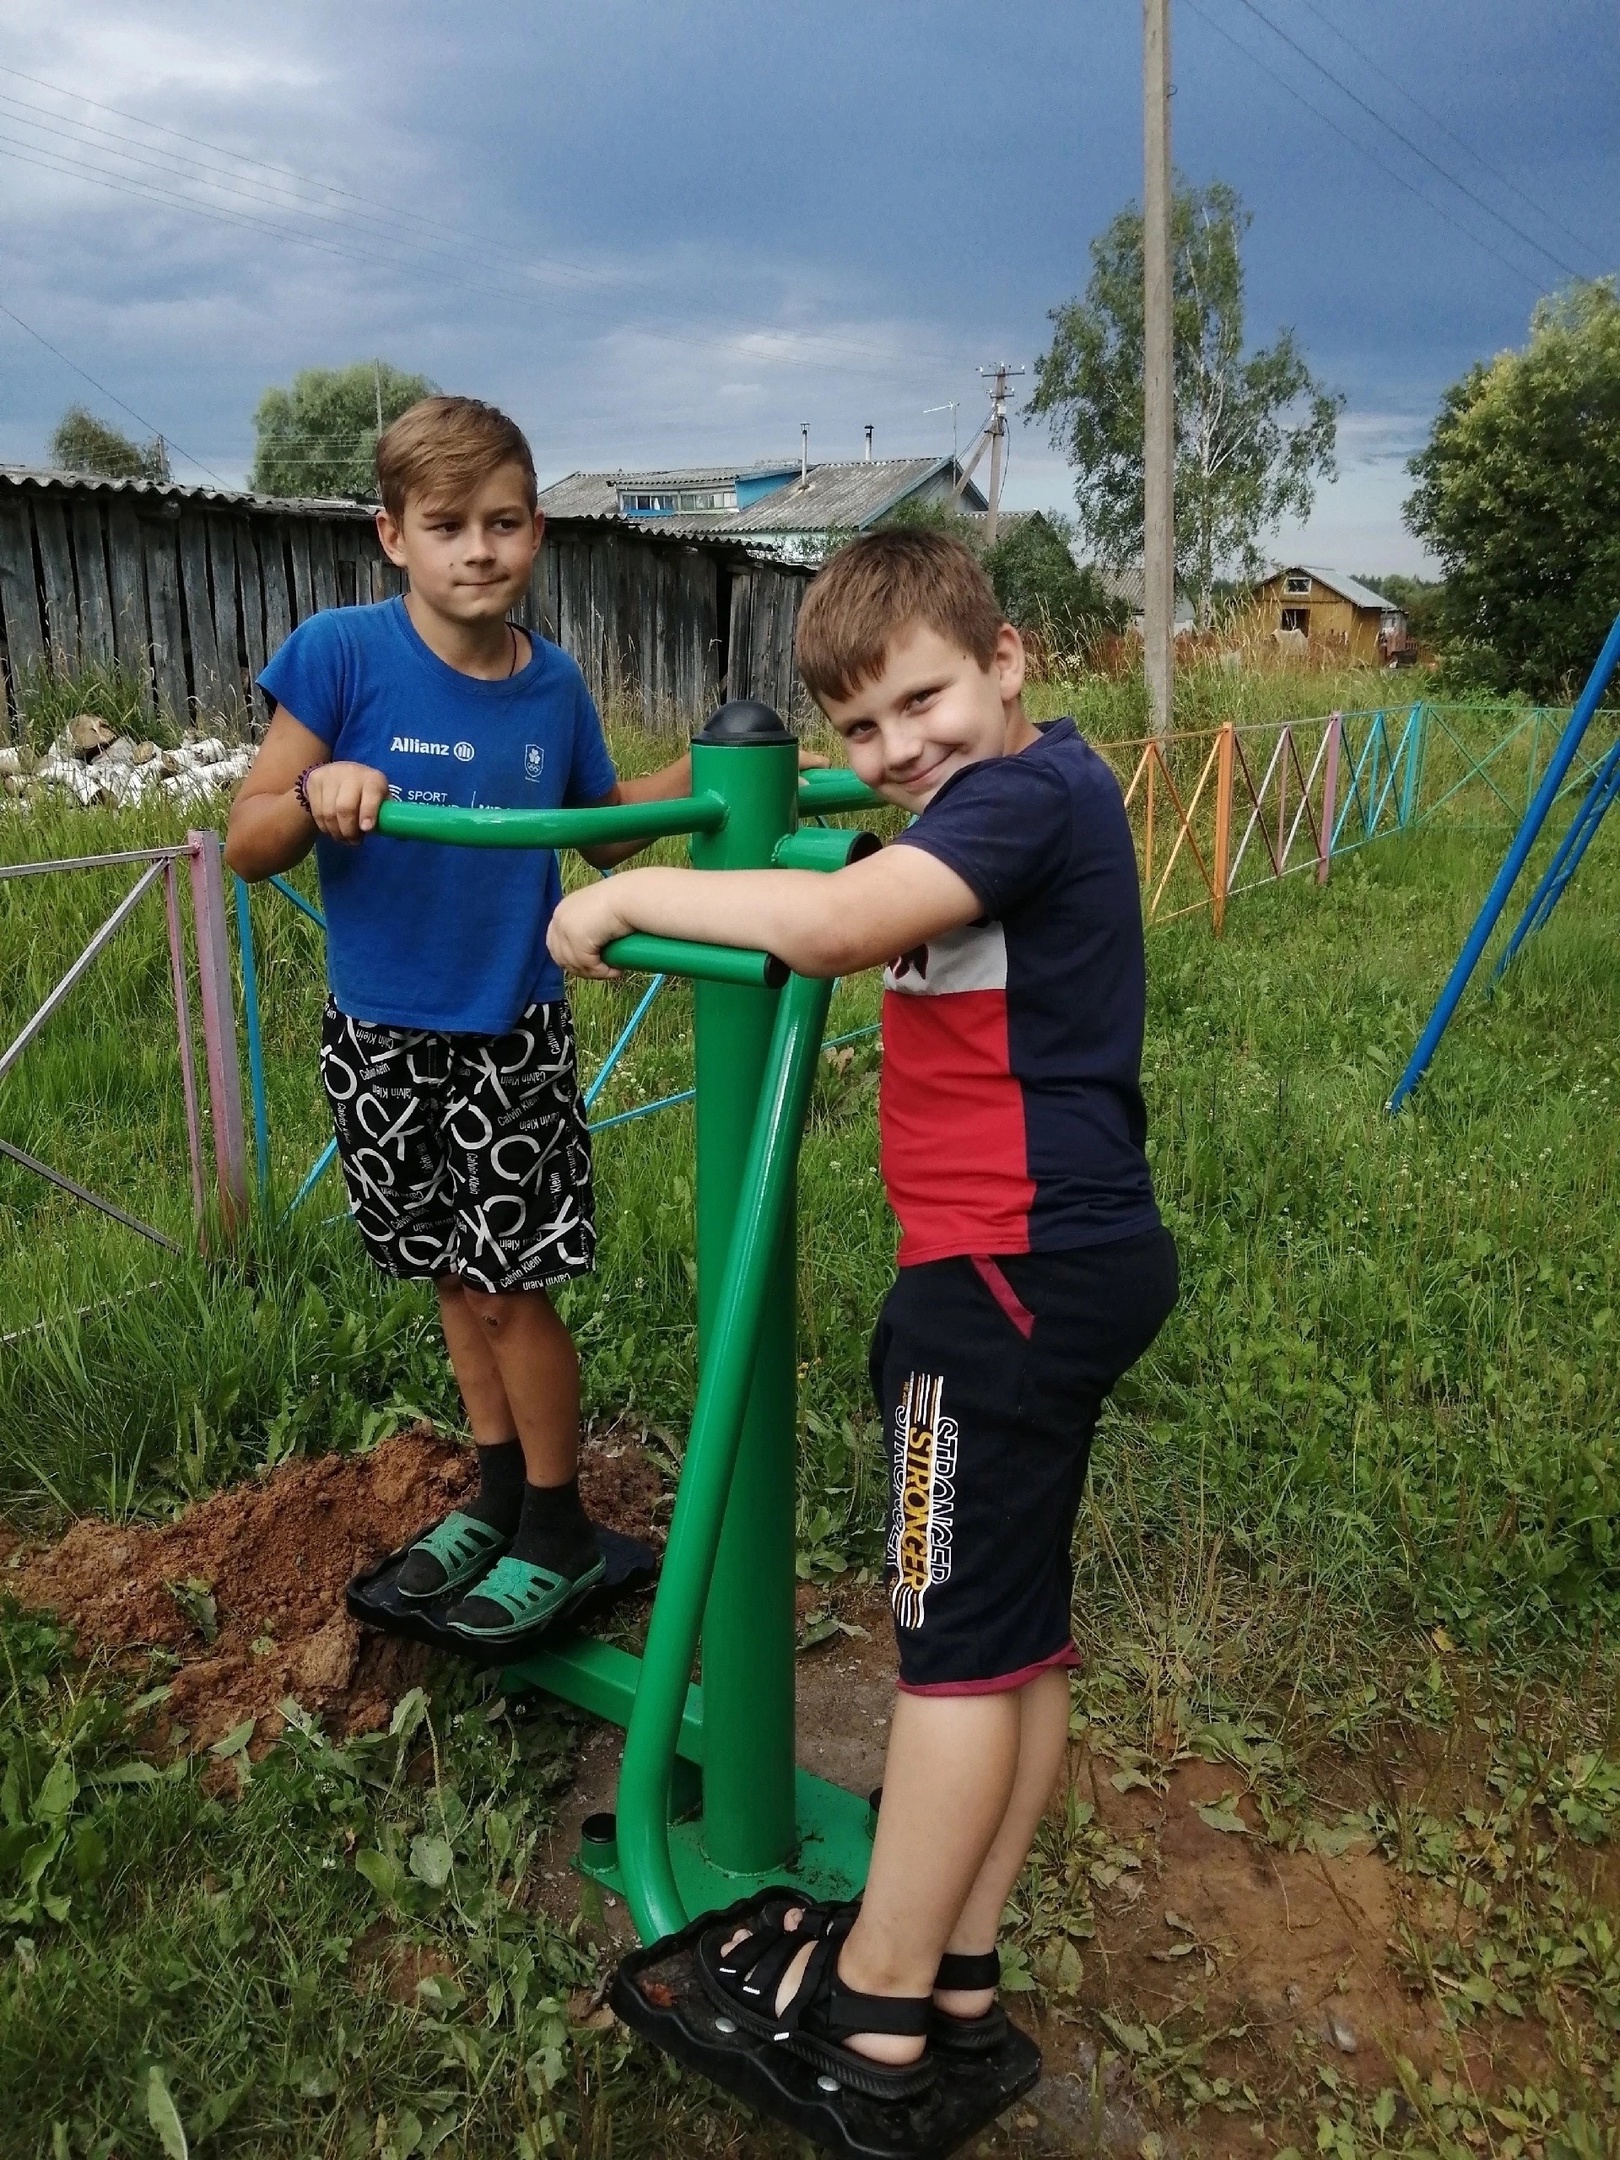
(1364, 1485)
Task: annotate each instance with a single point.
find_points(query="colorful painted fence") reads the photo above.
(1223, 811)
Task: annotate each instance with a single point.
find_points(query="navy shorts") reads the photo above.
(990, 1374)
(464, 1155)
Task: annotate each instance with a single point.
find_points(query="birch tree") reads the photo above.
(1254, 433)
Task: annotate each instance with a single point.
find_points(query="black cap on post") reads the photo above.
(743, 722)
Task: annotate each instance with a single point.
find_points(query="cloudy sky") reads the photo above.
(669, 231)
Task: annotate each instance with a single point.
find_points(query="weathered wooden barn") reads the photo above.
(1332, 609)
(190, 589)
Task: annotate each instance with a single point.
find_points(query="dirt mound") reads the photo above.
(246, 1589)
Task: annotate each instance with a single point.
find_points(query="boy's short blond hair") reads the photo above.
(443, 447)
(876, 587)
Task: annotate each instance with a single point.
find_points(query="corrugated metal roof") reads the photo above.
(589, 494)
(842, 497)
(46, 477)
(834, 497)
(1347, 588)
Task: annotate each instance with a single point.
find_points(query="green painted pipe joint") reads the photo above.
(824, 847)
(822, 792)
(601, 827)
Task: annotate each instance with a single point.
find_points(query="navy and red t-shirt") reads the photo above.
(1011, 1111)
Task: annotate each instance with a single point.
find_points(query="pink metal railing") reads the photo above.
(202, 853)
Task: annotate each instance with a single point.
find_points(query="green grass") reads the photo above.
(1391, 1355)
(1388, 1400)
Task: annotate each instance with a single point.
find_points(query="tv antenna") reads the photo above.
(952, 408)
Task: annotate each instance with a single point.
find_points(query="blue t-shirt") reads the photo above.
(1011, 1108)
(419, 934)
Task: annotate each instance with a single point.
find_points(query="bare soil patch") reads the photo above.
(245, 1590)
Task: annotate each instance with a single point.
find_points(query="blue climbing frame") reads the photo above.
(1599, 796)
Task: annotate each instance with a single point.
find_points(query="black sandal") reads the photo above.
(969, 2035)
(824, 2013)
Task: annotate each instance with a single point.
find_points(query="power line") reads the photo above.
(1451, 134)
(75, 163)
(106, 393)
(1389, 172)
(1406, 141)
(288, 172)
(171, 167)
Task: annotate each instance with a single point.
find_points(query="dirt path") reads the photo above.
(245, 1590)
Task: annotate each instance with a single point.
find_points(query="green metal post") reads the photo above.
(746, 756)
(705, 1512)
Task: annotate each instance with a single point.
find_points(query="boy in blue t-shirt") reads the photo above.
(1033, 1270)
(446, 1046)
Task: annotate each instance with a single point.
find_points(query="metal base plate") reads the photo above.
(372, 1597)
(830, 1861)
(658, 1994)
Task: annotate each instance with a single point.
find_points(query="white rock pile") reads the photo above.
(92, 763)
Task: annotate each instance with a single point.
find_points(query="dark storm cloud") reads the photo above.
(672, 233)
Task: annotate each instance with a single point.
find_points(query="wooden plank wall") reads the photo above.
(190, 597)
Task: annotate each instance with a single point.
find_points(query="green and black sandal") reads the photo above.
(516, 1597)
(450, 1556)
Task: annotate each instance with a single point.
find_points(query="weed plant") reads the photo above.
(51, 693)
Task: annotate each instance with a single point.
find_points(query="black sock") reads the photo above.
(554, 1530)
(499, 1498)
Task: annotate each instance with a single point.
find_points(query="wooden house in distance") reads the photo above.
(1329, 608)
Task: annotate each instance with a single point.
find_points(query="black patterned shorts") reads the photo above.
(464, 1155)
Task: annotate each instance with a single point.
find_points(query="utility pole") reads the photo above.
(1158, 386)
(376, 378)
(992, 437)
(999, 395)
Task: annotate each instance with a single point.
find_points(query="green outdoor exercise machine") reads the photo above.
(712, 1809)
(710, 1804)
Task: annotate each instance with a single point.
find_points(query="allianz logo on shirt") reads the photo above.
(414, 746)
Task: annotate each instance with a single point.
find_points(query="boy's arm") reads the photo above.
(669, 780)
(819, 924)
(269, 828)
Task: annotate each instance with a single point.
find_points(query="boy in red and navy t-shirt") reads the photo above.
(1033, 1268)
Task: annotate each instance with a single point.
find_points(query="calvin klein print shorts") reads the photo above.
(464, 1155)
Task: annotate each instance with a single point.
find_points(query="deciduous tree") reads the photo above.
(1518, 493)
(82, 443)
(1042, 589)
(319, 437)
(1253, 432)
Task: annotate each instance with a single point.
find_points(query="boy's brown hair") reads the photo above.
(871, 590)
(443, 447)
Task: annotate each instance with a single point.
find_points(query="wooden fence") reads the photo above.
(189, 590)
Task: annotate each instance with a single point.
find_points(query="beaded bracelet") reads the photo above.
(301, 791)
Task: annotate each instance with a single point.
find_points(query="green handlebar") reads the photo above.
(824, 791)
(707, 963)
(552, 828)
(711, 1454)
